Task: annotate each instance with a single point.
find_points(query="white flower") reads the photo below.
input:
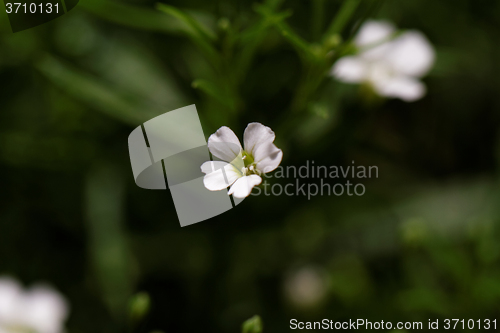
(391, 65)
(40, 309)
(241, 168)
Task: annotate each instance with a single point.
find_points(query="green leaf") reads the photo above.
(123, 60)
(139, 307)
(132, 16)
(252, 325)
(104, 206)
(212, 90)
(97, 94)
(188, 21)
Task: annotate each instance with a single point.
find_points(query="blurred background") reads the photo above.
(422, 243)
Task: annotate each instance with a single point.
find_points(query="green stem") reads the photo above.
(201, 36)
(301, 45)
(312, 79)
(342, 18)
(318, 10)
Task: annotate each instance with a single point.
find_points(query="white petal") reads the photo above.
(350, 70)
(379, 73)
(255, 135)
(411, 54)
(211, 166)
(219, 175)
(10, 298)
(267, 157)
(405, 88)
(215, 181)
(45, 310)
(243, 186)
(374, 40)
(373, 32)
(224, 144)
(376, 53)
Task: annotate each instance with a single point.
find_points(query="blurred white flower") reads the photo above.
(242, 168)
(306, 287)
(40, 309)
(391, 64)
